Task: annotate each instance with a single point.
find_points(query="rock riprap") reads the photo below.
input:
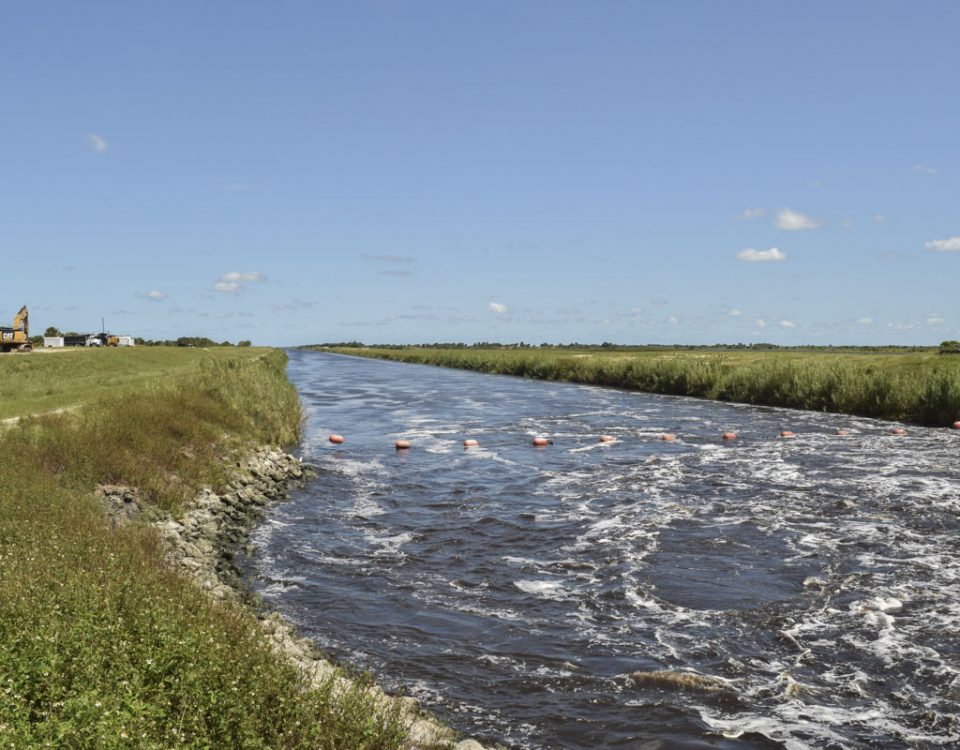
(204, 541)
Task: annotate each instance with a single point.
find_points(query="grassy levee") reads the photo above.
(64, 378)
(103, 644)
(920, 387)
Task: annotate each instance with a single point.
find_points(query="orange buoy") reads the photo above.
(470, 443)
(729, 436)
(787, 434)
(842, 432)
(668, 437)
(541, 442)
(402, 445)
(336, 439)
(607, 439)
(898, 431)
(956, 425)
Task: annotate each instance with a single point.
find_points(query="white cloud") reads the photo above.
(388, 258)
(787, 324)
(944, 246)
(734, 313)
(498, 308)
(753, 213)
(673, 320)
(761, 323)
(794, 220)
(865, 321)
(233, 282)
(749, 255)
(879, 218)
(846, 223)
(98, 142)
(156, 296)
(934, 319)
(923, 169)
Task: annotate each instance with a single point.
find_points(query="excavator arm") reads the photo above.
(16, 338)
(21, 322)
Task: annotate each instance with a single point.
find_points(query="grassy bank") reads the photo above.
(102, 645)
(921, 387)
(63, 378)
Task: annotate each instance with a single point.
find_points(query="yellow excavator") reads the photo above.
(16, 338)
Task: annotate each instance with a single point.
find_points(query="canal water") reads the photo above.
(759, 593)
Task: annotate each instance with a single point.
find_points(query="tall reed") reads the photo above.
(916, 387)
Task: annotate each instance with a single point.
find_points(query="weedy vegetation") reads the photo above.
(102, 644)
(918, 386)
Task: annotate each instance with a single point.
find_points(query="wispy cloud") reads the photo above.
(393, 272)
(923, 169)
(734, 313)
(294, 304)
(154, 295)
(97, 142)
(388, 258)
(787, 324)
(749, 255)
(879, 218)
(794, 221)
(944, 246)
(749, 214)
(235, 282)
(934, 319)
(498, 308)
(865, 321)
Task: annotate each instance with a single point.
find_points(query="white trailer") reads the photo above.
(53, 341)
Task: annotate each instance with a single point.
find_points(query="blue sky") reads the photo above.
(636, 172)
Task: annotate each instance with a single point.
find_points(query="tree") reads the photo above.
(52, 331)
(950, 347)
(244, 343)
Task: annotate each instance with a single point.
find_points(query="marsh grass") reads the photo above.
(916, 387)
(102, 645)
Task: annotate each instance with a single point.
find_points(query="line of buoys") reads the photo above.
(542, 442)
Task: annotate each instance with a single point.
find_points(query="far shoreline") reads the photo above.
(911, 385)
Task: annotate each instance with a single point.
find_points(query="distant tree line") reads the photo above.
(608, 346)
(197, 341)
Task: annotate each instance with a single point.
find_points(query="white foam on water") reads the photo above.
(544, 589)
(388, 546)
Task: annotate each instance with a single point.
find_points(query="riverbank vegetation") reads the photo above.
(886, 383)
(102, 643)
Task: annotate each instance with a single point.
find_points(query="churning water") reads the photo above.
(556, 597)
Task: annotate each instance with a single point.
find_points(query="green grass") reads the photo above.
(102, 645)
(63, 378)
(921, 387)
